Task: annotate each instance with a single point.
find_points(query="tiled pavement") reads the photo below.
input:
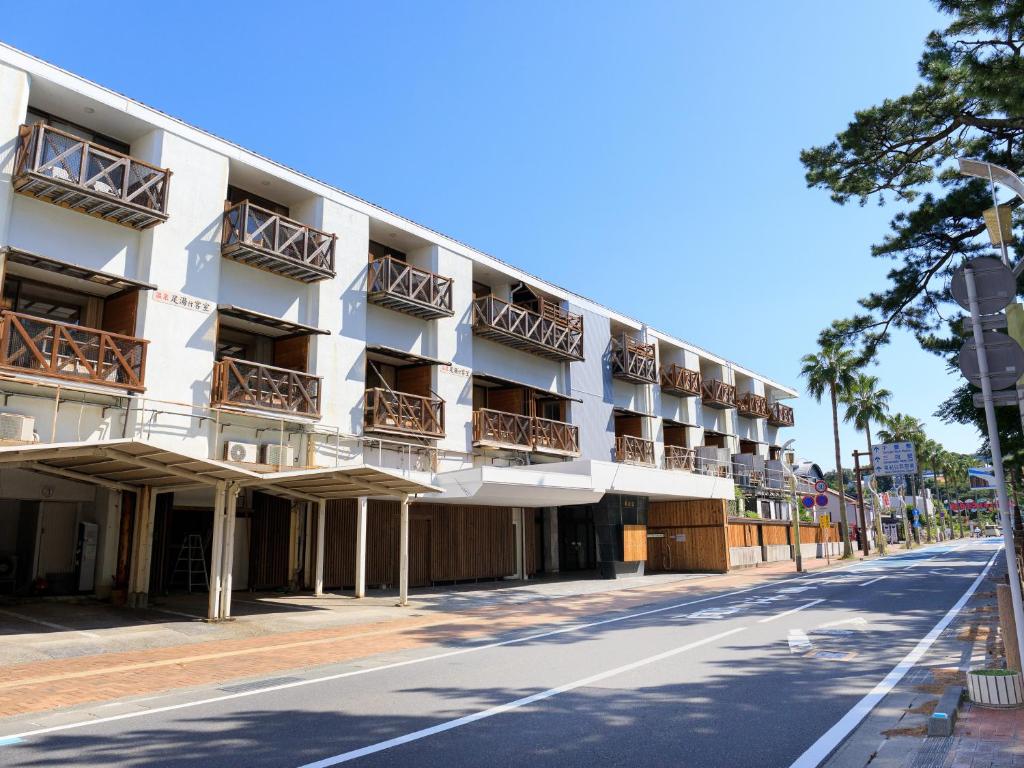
(434, 618)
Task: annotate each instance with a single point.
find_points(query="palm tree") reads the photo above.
(865, 403)
(932, 455)
(831, 369)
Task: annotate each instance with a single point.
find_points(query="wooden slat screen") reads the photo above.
(634, 543)
(692, 536)
(268, 541)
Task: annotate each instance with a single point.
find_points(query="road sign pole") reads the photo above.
(797, 547)
(864, 545)
(997, 459)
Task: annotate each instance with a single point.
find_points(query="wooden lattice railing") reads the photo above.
(677, 380)
(633, 360)
(718, 393)
(65, 351)
(266, 387)
(556, 436)
(500, 428)
(389, 411)
(754, 406)
(391, 278)
(780, 415)
(680, 457)
(49, 160)
(634, 450)
(551, 332)
(249, 226)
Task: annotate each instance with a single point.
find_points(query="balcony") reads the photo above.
(680, 458)
(264, 239)
(400, 413)
(780, 415)
(243, 384)
(633, 361)
(679, 381)
(555, 437)
(64, 351)
(510, 431)
(63, 169)
(718, 394)
(396, 285)
(634, 450)
(753, 406)
(551, 333)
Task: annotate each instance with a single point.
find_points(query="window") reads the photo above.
(41, 301)
(237, 195)
(379, 251)
(37, 116)
(766, 510)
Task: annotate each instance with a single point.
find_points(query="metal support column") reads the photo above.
(360, 582)
(321, 525)
(216, 552)
(403, 553)
(228, 558)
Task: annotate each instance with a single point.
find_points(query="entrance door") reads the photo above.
(57, 546)
(576, 544)
(419, 552)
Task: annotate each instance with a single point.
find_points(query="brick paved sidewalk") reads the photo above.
(58, 683)
(988, 738)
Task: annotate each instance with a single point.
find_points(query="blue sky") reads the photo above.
(643, 154)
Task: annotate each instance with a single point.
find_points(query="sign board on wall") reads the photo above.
(894, 459)
(184, 301)
(456, 370)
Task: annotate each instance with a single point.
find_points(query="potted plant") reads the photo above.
(995, 687)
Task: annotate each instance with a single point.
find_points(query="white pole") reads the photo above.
(361, 505)
(997, 457)
(403, 553)
(321, 525)
(216, 550)
(228, 559)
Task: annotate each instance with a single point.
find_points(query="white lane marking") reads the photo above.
(459, 722)
(834, 736)
(799, 642)
(50, 624)
(169, 612)
(854, 620)
(791, 610)
(794, 590)
(873, 581)
(383, 667)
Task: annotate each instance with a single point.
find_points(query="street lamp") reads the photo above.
(798, 555)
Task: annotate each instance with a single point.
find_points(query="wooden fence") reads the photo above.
(687, 536)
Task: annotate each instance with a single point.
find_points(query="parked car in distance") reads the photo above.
(992, 530)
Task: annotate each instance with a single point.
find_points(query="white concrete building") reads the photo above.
(197, 327)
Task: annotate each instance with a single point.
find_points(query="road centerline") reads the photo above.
(766, 619)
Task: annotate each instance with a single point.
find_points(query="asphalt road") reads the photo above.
(751, 678)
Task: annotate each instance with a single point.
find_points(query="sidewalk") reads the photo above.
(247, 649)
(894, 734)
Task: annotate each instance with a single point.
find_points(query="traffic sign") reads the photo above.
(820, 486)
(824, 521)
(994, 282)
(1005, 360)
(821, 500)
(808, 502)
(894, 459)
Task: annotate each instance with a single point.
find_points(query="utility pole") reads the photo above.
(864, 545)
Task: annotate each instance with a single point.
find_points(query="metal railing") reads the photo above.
(247, 226)
(633, 360)
(551, 332)
(66, 351)
(266, 387)
(416, 290)
(67, 170)
(754, 406)
(780, 415)
(677, 380)
(388, 411)
(718, 394)
(634, 450)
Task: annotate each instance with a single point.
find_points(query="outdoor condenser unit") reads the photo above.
(14, 426)
(235, 451)
(281, 455)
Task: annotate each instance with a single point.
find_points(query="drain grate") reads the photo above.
(255, 685)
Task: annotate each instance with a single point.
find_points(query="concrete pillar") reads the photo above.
(307, 546)
(361, 546)
(321, 525)
(550, 539)
(293, 545)
(403, 553)
(228, 561)
(518, 528)
(216, 553)
(142, 548)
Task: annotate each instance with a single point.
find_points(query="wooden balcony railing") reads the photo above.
(753, 406)
(633, 360)
(680, 457)
(63, 169)
(497, 429)
(264, 239)
(551, 333)
(398, 412)
(780, 415)
(397, 285)
(676, 380)
(265, 387)
(556, 437)
(65, 351)
(634, 450)
(718, 394)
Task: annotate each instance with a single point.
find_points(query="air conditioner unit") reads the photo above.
(14, 426)
(235, 451)
(279, 455)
